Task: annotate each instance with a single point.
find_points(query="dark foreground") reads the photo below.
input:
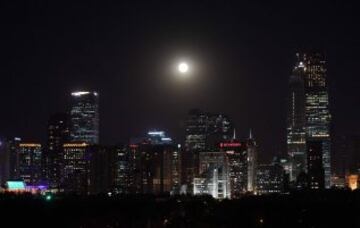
(316, 209)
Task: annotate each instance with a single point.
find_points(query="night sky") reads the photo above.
(242, 56)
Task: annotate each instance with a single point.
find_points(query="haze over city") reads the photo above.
(244, 54)
(179, 114)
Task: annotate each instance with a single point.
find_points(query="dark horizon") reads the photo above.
(244, 55)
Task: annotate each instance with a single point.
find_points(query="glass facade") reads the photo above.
(296, 139)
(251, 150)
(203, 132)
(58, 134)
(214, 175)
(29, 165)
(317, 113)
(308, 113)
(270, 179)
(315, 164)
(155, 164)
(75, 171)
(237, 156)
(84, 116)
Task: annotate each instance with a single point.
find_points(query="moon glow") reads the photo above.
(183, 67)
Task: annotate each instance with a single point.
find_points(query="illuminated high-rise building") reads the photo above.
(315, 155)
(29, 163)
(242, 159)
(75, 172)
(270, 179)
(237, 157)
(14, 149)
(296, 140)
(308, 114)
(203, 132)
(156, 164)
(124, 175)
(317, 113)
(84, 117)
(251, 151)
(213, 178)
(57, 134)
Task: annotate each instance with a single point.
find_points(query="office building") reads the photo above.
(14, 150)
(57, 134)
(308, 113)
(317, 113)
(103, 162)
(237, 156)
(76, 168)
(84, 117)
(270, 179)
(296, 139)
(213, 178)
(157, 164)
(203, 132)
(314, 149)
(29, 163)
(124, 172)
(251, 150)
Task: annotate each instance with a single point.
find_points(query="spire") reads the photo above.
(234, 134)
(250, 134)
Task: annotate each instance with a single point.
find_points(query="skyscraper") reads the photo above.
(213, 176)
(157, 164)
(102, 168)
(308, 114)
(315, 164)
(14, 150)
(57, 134)
(203, 132)
(76, 168)
(270, 179)
(124, 181)
(84, 117)
(29, 165)
(296, 144)
(317, 113)
(242, 158)
(237, 156)
(251, 150)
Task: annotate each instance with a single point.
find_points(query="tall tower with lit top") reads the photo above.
(84, 117)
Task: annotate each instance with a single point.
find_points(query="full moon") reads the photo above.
(183, 67)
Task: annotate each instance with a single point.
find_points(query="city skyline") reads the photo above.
(179, 114)
(244, 52)
(85, 104)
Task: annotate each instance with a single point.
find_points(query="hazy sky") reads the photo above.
(242, 56)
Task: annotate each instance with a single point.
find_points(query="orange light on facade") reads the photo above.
(352, 181)
(29, 145)
(76, 145)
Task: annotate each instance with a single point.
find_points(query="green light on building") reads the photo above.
(15, 185)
